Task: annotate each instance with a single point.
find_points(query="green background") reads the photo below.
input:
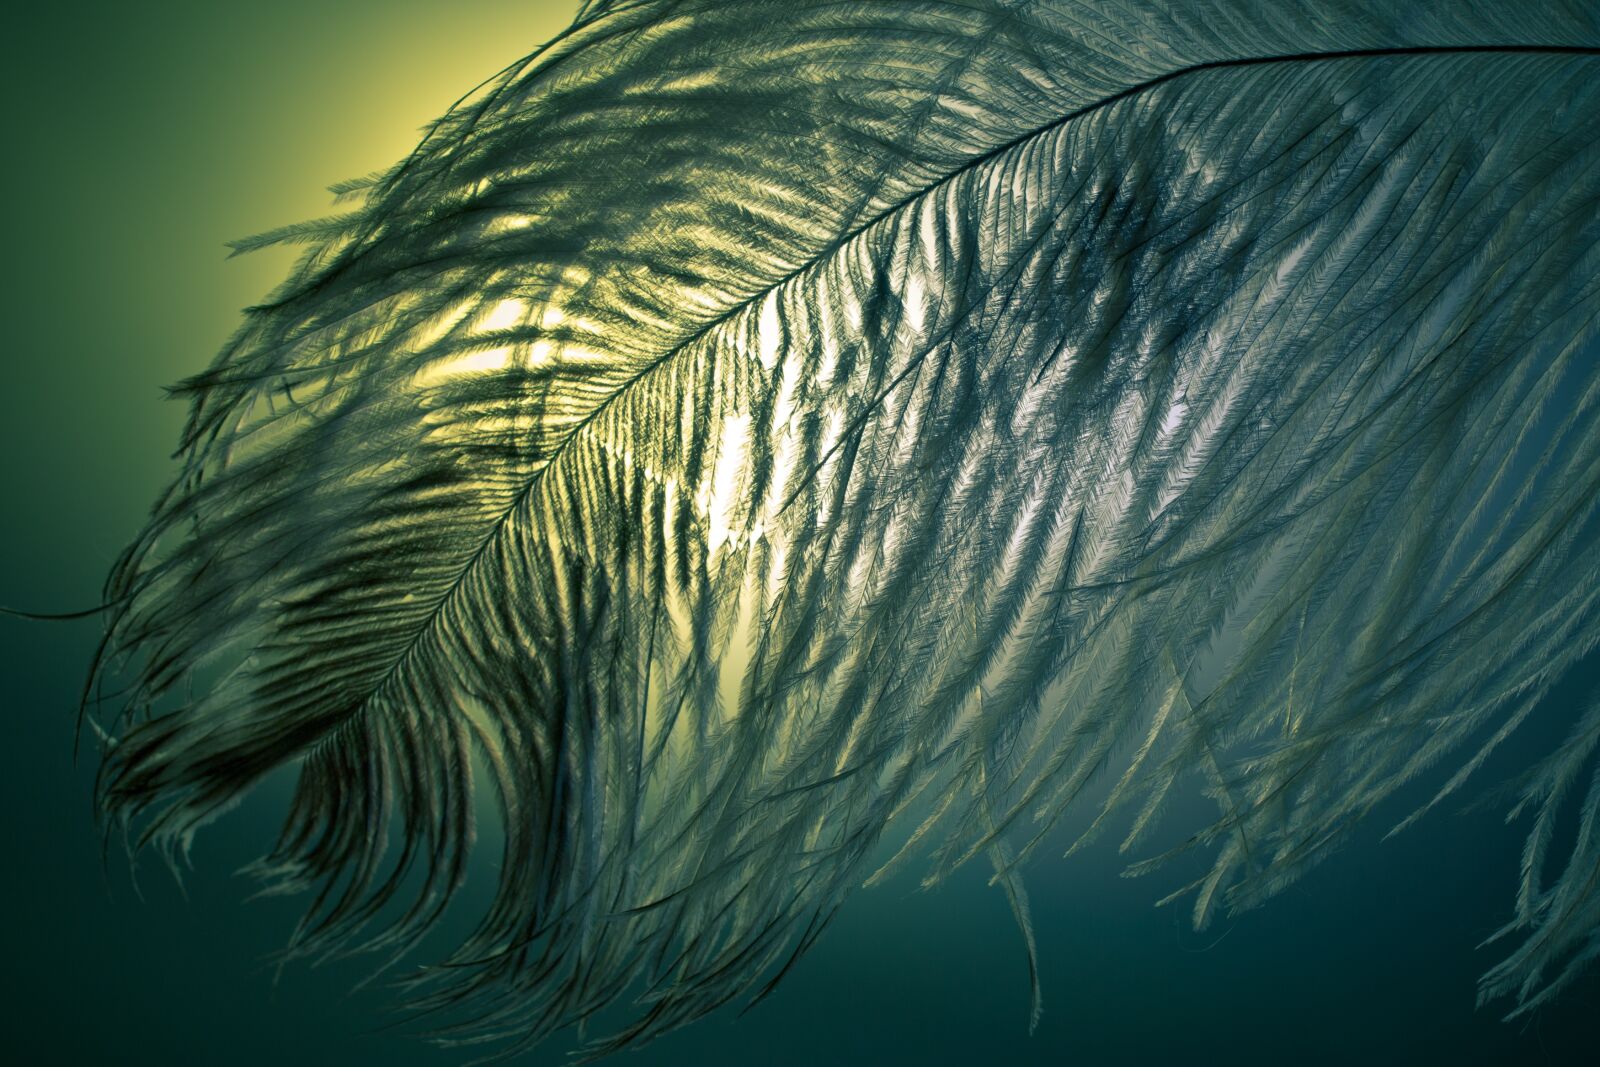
(144, 136)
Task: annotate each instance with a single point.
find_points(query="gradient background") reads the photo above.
(143, 137)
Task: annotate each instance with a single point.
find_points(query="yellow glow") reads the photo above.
(720, 495)
(505, 315)
(472, 363)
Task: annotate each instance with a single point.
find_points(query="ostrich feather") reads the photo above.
(746, 435)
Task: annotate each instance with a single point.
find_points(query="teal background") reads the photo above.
(143, 137)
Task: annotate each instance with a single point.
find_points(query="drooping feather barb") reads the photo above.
(738, 418)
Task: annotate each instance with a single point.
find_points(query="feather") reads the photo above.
(739, 422)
